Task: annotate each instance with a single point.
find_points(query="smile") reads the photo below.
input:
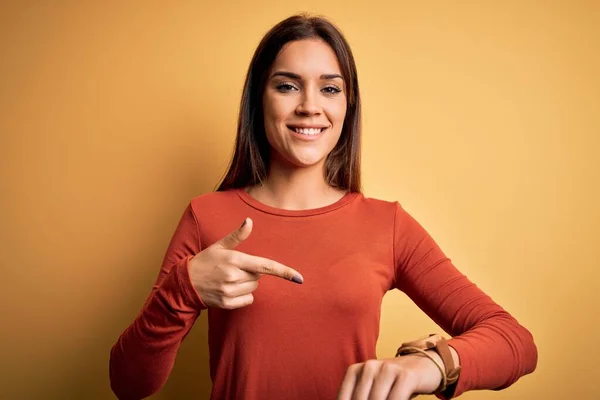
(307, 131)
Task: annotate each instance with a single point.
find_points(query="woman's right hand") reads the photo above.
(226, 278)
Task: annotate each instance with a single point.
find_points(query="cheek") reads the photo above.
(338, 114)
(268, 111)
(270, 119)
(274, 115)
(276, 109)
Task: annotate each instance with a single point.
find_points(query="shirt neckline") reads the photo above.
(252, 202)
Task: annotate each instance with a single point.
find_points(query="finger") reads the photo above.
(261, 265)
(239, 289)
(368, 373)
(349, 382)
(233, 239)
(234, 274)
(237, 302)
(400, 390)
(382, 385)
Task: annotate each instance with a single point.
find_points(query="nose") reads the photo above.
(308, 105)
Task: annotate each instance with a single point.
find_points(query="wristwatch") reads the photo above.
(437, 343)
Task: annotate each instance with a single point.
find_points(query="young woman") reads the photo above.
(290, 210)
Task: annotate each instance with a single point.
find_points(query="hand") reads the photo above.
(226, 278)
(399, 378)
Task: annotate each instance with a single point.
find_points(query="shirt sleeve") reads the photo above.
(494, 349)
(142, 358)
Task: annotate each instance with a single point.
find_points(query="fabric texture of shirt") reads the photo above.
(297, 341)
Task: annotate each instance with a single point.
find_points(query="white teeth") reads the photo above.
(308, 131)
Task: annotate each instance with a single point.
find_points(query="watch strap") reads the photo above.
(450, 372)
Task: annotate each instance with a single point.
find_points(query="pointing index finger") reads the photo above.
(261, 265)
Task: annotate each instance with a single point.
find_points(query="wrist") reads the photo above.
(429, 376)
(439, 355)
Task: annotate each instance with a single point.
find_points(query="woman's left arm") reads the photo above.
(491, 347)
(494, 350)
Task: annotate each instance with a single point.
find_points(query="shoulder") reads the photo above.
(214, 197)
(378, 204)
(390, 210)
(375, 207)
(214, 202)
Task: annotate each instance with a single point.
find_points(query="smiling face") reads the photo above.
(304, 104)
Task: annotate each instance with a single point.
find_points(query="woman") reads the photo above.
(294, 181)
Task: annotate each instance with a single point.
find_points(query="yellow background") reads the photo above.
(482, 118)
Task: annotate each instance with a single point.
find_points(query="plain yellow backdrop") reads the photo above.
(481, 118)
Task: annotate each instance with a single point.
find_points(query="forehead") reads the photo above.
(307, 57)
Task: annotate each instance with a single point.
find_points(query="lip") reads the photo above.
(307, 138)
(308, 126)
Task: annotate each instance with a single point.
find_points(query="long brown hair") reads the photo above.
(250, 161)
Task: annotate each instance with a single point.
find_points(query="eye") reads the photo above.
(285, 87)
(331, 89)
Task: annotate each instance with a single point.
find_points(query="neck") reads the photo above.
(294, 188)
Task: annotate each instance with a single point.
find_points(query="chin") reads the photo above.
(305, 162)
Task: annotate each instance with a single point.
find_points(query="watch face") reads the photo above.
(427, 342)
(433, 339)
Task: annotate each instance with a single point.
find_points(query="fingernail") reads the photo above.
(244, 223)
(297, 279)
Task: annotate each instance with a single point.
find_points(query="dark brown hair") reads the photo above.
(250, 161)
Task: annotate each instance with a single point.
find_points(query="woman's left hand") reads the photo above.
(390, 379)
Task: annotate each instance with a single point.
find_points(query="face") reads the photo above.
(304, 104)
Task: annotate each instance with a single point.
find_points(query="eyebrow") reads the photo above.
(298, 77)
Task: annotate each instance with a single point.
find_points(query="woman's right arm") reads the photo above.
(191, 279)
(142, 358)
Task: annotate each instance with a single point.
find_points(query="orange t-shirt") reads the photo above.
(296, 342)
